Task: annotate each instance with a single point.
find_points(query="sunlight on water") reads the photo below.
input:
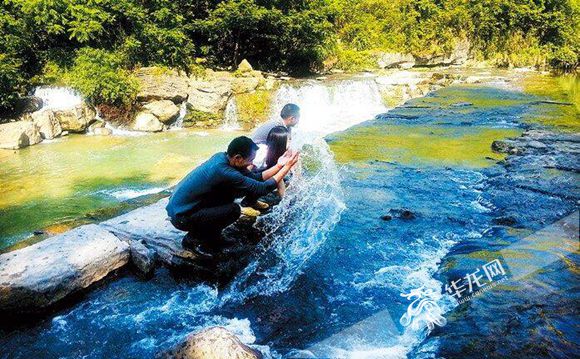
(47, 183)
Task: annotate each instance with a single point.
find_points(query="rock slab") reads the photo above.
(41, 275)
(212, 343)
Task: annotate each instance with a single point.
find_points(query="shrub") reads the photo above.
(98, 75)
(11, 82)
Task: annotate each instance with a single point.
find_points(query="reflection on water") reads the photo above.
(76, 175)
(330, 288)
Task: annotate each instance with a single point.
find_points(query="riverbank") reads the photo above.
(416, 157)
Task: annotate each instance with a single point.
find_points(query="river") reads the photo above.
(338, 278)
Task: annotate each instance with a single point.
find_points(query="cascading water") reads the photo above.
(231, 115)
(178, 124)
(299, 225)
(58, 98)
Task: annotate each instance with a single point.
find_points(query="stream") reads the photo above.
(337, 279)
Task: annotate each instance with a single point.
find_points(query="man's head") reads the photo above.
(290, 114)
(241, 152)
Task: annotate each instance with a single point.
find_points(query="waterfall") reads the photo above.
(231, 115)
(58, 98)
(300, 224)
(182, 112)
(332, 107)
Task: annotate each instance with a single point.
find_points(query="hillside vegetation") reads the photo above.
(93, 44)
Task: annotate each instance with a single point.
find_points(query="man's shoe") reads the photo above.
(193, 245)
(261, 205)
(250, 212)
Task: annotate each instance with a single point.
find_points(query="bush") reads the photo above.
(98, 75)
(11, 82)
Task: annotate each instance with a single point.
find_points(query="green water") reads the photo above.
(76, 179)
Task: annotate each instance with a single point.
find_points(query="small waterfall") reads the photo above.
(328, 108)
(231, 116)
(58, 98)
(182, 112)
(300, 224)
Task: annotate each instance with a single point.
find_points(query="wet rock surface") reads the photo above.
(212, 343)
(38, 276)
(151, 227)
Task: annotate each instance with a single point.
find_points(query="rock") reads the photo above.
(161, 84)
(48, 125)
(151, 226)
(388, 60)
(457, 56)
(102, 131)
(212, 343)
(245, 84)
(505, 221)
(38, 276)
(147, 122)
(504, 146)
(245, 66)
(76, 119)
(165, 110)
(209, 96)
(386, 217)
(15, 135)
(402, 214)
(142, 258)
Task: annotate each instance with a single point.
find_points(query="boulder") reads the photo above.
(48, 125)
(156, 83)
(38, 276)
(389, 59)
(212, 343)
(147, 122)
(15, 135)
(76, 119)
(245, 84)
(245, 66)
(165, 110)
(209, 96)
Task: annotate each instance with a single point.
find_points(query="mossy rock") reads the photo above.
(254, 107)
(201, 119)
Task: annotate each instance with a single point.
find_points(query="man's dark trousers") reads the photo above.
(208, 223)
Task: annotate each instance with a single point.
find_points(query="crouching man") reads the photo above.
(203, 202)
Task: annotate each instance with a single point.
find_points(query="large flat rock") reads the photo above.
(151, 226)
(40, 275)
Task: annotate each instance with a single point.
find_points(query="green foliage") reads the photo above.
(10, 81)
(268, 36)
(98, 75)
(39, 39)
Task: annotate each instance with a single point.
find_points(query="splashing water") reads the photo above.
(296, 227)
(182, 112)
(231, 116)
(58, 98)
(299, 225)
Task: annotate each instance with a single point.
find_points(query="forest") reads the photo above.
(92, 45)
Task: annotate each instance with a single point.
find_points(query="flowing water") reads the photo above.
(337, 280)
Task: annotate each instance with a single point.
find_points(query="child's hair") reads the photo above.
(277, 143)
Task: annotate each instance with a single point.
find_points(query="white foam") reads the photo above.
(125, 194)
(58, 98)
